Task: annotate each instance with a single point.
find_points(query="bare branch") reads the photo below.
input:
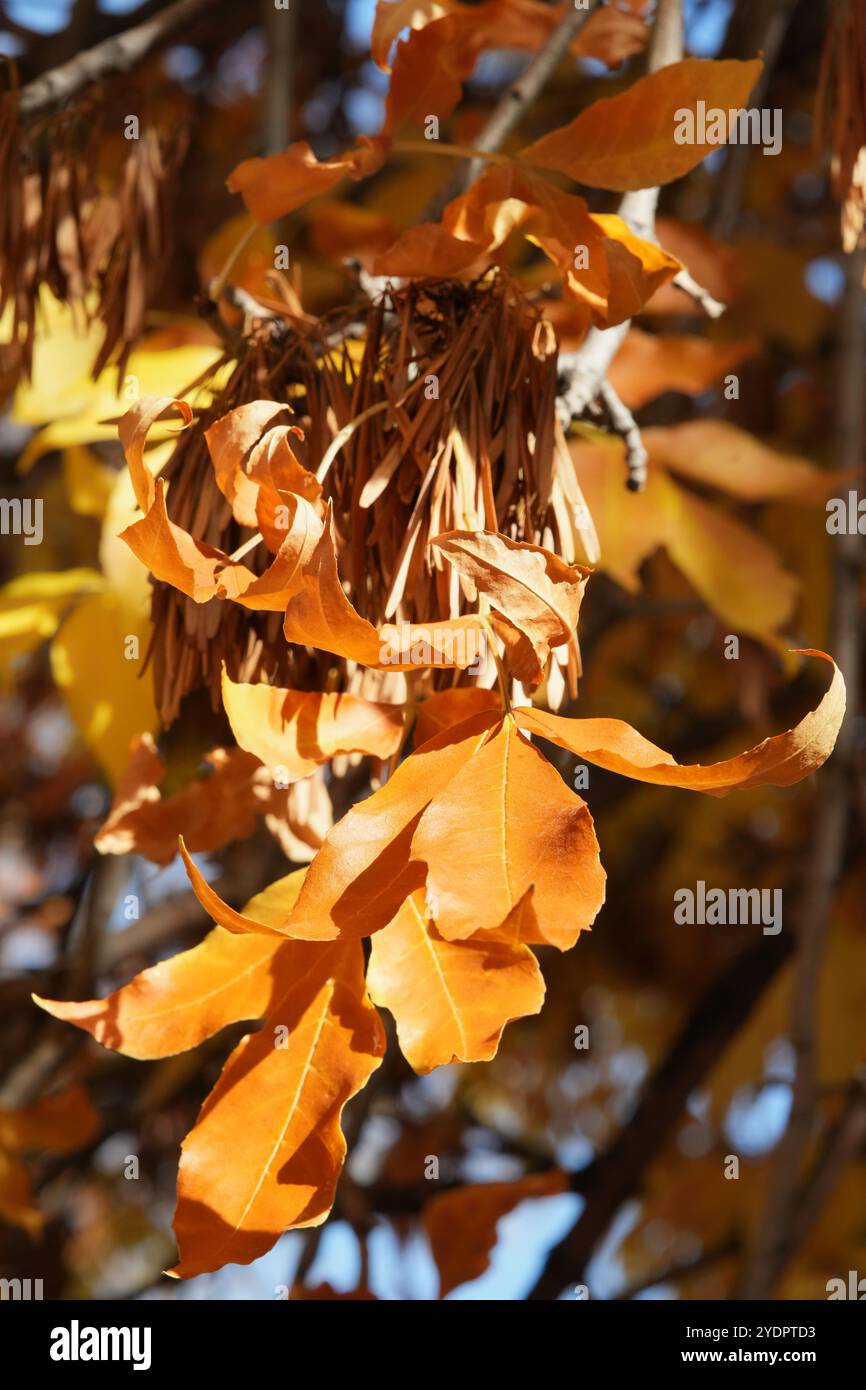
(118, 54)
(624, 424)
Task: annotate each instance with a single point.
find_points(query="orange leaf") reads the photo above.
(779, 761)
(267, 1149)
(718, 454)
(202, 572)
(636, 268)
(296, 730)
(171, 554)
(448, 707)
(506, 826)
(461, 1225)
(256, 468)
(602, 262)
(211, 813)
(320, 615)
(133, 429)
(55, 1124)
(393, 16)
(648, 364)
(363, 873)
(275, 186)
(178, 1003)
(755, 596)
(451, 1000)
(629, 141)
(610, 35)
(429, 69)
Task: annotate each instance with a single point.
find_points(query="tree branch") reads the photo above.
(767, 1252)
(118, 54)
(719, 1013)
(513, 105)
(582, 372)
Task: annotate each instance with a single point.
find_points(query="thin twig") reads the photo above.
(513, 105)
(582, 372)
(625, 425)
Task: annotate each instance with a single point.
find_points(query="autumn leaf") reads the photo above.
(461, 1225)
(648, 364)
(609, 34)
(257, 469)
(602, 262)
(276, 1109)
(507, 827)
(212, 812)
(273, 187)
(204, 572)
(629, 141)
(177, 1004)
(106, 698)
(780, 761)
(32, 607)
(319, 614)
(449, 707)
(296, 730)
(718, 454)
(393, 16)
(451, 1000)
(755, 596)
(133, 430)
(277, 1104)
(57, 1124)
(364, 871)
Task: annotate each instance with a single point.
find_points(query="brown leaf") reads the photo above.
(629, 141)
(535, 590)
(461, 1225)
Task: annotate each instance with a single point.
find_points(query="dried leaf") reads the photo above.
(461, 1225)
(267, 1149)
(534, 589)
(364, 871)
(629, 141)
(320, 615)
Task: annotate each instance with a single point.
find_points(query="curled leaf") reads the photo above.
(779, 761)
(533, 588)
